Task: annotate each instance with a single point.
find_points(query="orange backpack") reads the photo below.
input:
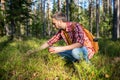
(91, 38)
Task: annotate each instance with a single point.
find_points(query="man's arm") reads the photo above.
(44, 46)
(72, 46)
(63, 48)
(50, 42)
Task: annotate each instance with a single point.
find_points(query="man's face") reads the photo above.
(56, 23)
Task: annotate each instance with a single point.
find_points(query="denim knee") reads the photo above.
(85, 51)
(67, 55)
(76, 53)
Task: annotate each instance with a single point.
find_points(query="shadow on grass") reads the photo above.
(109, 48)
(110, 57)
(115, 71)
(4, 43)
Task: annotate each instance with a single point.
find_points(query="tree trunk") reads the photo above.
(12, 29)
(41, 10)
(68, 9)
(104, 9)
(59, 5)
(12, 24)
(108, 1)
(110, 6)
(118, 19)
(48, 17)
(90, 15)
(7, 31)
(114, 32)
(97, 17)
(44, 19)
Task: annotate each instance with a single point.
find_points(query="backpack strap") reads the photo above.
(69, 41)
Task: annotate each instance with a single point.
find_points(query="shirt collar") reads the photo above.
(68, 27)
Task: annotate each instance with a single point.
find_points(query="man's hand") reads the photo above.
(55, 49)
(45, 45)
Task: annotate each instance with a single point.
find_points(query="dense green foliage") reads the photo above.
(15, 16)
(18, 12)
(15, 65)
(2, 22)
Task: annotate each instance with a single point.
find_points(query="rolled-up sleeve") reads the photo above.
(55, 38)
(79, 34)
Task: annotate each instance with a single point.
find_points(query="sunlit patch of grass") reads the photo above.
(104, 65)
(86, 71)
(4, 38)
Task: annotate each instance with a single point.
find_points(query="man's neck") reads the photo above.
(64, 25)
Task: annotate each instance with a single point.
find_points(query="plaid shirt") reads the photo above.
(77, 36)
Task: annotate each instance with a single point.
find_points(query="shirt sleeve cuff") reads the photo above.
(49, 43)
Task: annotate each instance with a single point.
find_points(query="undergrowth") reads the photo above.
(14, 65)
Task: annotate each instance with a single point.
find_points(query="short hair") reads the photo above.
(60, 16)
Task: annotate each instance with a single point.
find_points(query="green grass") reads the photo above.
(14, 65)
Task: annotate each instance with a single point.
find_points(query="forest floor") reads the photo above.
(15, 65)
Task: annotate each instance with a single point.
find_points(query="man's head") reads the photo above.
(60, 16)
(58, 19)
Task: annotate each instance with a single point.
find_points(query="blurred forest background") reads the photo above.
(26, 24)
(20, 18)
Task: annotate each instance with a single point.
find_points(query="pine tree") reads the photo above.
(17, 13)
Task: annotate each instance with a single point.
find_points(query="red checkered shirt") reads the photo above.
(77, 36)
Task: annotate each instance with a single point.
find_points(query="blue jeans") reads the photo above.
(75, 54)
